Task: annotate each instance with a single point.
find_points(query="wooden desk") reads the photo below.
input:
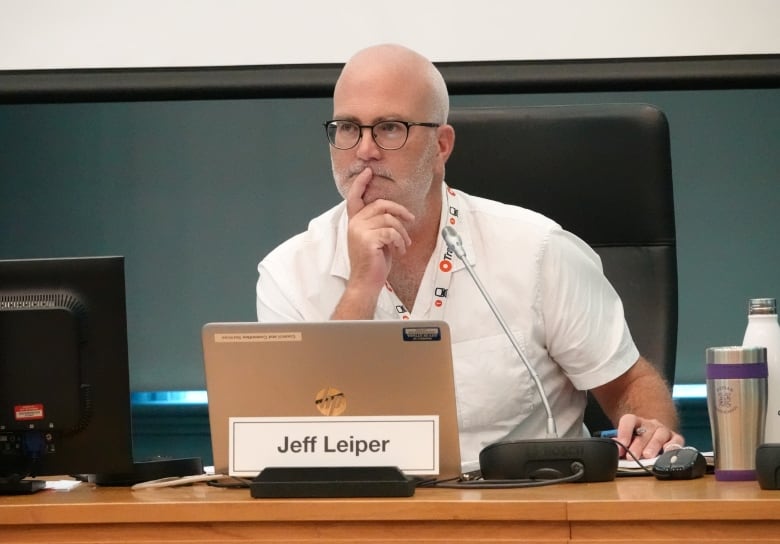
(628, 510)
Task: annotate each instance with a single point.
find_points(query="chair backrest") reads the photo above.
(603, 172)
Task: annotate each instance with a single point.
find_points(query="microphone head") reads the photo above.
(453, 241)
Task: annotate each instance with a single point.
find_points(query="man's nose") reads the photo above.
(366, 146)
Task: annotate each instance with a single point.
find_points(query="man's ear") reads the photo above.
(446, 135)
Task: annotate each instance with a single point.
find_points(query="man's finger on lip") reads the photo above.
(362, 179)
(358, 188)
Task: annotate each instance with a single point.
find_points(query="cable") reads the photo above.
(636, 460)
(175, 481)
(578, 470)
(236, 483)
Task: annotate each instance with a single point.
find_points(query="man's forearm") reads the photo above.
(355, 304)
(641, 391)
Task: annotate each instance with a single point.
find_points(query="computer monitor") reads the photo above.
(64, 384)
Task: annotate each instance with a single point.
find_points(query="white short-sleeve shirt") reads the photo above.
(547, 283)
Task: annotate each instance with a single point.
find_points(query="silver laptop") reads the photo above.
(347, 368)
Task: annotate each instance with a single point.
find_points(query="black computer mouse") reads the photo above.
(680, 464)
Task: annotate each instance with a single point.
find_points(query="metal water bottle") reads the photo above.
(763, 329)
(736, 401)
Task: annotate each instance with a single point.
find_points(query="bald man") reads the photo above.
(379, 255)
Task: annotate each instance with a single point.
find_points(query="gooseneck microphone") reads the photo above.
(542, 461)
(455, 244)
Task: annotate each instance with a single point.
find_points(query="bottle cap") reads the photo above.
(762, 306)
(735, 355)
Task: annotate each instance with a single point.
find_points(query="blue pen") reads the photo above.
(612, 433)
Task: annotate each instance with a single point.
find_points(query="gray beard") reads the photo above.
(420, 179)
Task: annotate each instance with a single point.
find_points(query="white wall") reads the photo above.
(50, 34)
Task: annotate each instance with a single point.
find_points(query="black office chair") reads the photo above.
(604, 173)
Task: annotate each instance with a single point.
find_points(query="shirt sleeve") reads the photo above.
(585, 327)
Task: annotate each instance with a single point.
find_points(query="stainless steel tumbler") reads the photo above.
(736, 401)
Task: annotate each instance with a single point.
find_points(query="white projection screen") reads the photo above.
(51, 34)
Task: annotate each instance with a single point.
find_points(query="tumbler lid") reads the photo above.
(736, 354)
(757, 306)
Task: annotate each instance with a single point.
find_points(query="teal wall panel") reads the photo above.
(194, 193)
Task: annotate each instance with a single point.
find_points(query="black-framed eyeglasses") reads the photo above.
(388, 135)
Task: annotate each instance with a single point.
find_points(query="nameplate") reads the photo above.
(410, 443)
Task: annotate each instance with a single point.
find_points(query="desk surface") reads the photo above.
(634, 509)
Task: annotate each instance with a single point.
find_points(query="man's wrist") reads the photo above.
(357, 302)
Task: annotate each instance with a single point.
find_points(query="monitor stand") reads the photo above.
(154, 469)
(16, 486)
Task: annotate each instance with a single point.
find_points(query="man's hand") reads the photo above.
(641, 390)
(646, 438)
(376, 234)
